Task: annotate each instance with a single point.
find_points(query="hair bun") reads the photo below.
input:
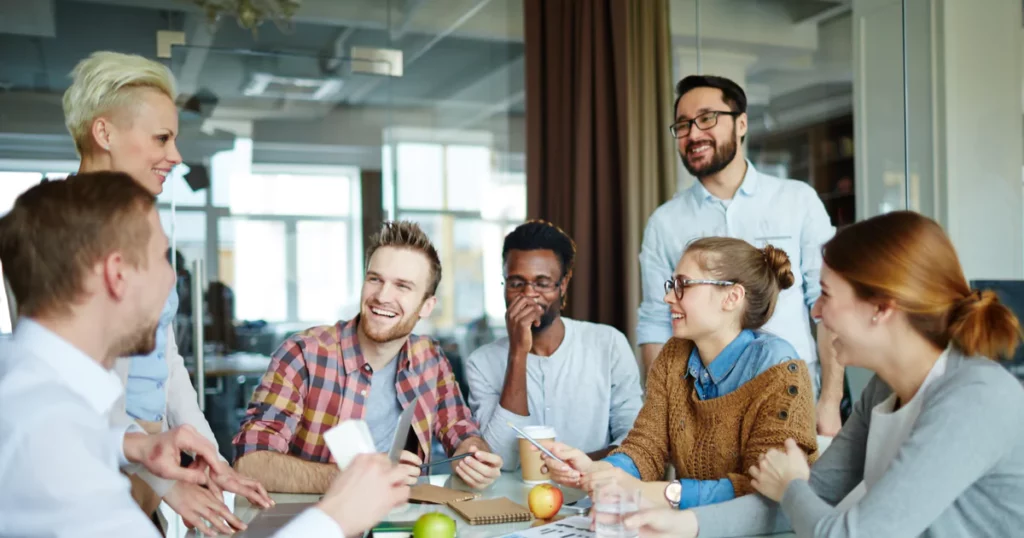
(983, 325)
(778, 263)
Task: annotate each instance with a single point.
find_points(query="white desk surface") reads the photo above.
(509, 485)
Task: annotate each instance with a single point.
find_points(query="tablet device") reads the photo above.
(402, 432)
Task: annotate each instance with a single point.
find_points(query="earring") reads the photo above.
(874, 319)
(106, 148)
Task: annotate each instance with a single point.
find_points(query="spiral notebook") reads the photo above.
(429, 494)
(490, 511)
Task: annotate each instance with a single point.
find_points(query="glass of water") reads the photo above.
(612, 504)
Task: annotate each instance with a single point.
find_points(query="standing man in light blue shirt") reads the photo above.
(580, 378)
(731, 198)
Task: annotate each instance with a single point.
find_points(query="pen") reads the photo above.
(436, 463)
(536, 444)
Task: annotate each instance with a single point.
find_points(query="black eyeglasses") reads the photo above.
(678, 283)
(541, 286)
(703, 122)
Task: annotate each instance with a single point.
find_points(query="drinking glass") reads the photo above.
(612, 504)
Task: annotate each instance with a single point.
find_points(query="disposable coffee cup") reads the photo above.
(530, 460)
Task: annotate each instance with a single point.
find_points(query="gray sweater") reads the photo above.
(960, 472)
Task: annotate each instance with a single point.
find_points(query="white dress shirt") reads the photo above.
(765, 210)
(588, 390)
(59, 456)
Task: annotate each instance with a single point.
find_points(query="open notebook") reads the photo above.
(490, 511)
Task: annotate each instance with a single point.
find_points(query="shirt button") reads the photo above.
(367, 367)
(363, 393)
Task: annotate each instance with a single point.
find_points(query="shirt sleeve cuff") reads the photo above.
(117, 434)
(624, 462)
(690, 494)
(506, 439)
(312, 522)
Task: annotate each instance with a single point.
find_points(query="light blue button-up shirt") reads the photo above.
(765, 210)
(746, 357)
(145, 395)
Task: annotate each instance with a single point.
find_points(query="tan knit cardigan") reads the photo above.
(720, 437)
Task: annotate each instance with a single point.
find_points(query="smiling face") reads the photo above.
(853, 321)
(538, 268)
(704, 309)
(141, 138)
(393, 296)
(705, 153)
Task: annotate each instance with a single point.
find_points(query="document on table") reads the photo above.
(570, 527)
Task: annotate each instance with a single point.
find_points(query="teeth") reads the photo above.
(700, 149)
(384, 313)
(161, 172)
(677, 316)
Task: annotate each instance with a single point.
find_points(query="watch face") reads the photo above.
(674, 492)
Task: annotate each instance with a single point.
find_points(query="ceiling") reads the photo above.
(462, 61)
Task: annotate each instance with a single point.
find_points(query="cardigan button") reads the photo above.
(792, 367)
(682, 424)
(783, 414)
(793, 390)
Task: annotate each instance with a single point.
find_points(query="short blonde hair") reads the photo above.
(408, 235)
(106, 81)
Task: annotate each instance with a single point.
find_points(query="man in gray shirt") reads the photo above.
(580, 378)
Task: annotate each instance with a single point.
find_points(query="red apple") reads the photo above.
(545, 501)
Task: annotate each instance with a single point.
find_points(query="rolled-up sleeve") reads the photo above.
(817, 229)
(272, 419)
(654, 325)
(454, 422)
(485, 384)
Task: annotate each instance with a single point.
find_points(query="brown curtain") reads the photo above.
(586, 61)
(575, 142)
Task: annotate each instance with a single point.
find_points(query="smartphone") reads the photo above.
(392, 529)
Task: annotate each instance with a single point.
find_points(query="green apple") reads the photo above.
(434, 525)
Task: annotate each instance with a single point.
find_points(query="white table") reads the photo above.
(509, 485)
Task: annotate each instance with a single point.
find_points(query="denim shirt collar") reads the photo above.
(724, 362)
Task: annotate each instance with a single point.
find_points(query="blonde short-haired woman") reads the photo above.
(120, 111)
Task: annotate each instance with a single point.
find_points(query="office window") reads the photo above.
(466, 208)
(324, 282)
(12, 184)
(251, 257)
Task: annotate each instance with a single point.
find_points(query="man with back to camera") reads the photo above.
(550, 368)
(370, 368)
(731, 198)
(85, 258)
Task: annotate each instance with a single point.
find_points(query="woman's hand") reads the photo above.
(663, 523)
(606, 473)
(776, 469)
(569, 474)
(195, 504)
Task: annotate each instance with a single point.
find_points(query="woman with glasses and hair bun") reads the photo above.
(720, 394)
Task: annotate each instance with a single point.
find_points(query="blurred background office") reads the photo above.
(306, 123)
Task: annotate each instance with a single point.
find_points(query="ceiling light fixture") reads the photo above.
(250, 14)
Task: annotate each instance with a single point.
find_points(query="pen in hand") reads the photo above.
(436, 463)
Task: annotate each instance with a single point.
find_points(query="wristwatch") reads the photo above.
(673, 493)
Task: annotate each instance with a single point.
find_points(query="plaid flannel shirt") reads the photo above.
(318, 378)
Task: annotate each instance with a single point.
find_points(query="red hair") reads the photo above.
(906, 259)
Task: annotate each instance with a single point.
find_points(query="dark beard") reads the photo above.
(548, 317)
(141, 342)
(723, 155)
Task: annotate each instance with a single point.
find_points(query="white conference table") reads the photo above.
(508, 485)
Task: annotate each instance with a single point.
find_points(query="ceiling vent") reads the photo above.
(304, 89)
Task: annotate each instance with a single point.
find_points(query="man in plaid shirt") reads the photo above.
(369, 368)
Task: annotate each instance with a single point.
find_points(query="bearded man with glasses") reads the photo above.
(550, 369)
(733, 199)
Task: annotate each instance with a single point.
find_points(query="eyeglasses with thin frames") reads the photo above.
(703, 122)
(677, 284)
(540, 286)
